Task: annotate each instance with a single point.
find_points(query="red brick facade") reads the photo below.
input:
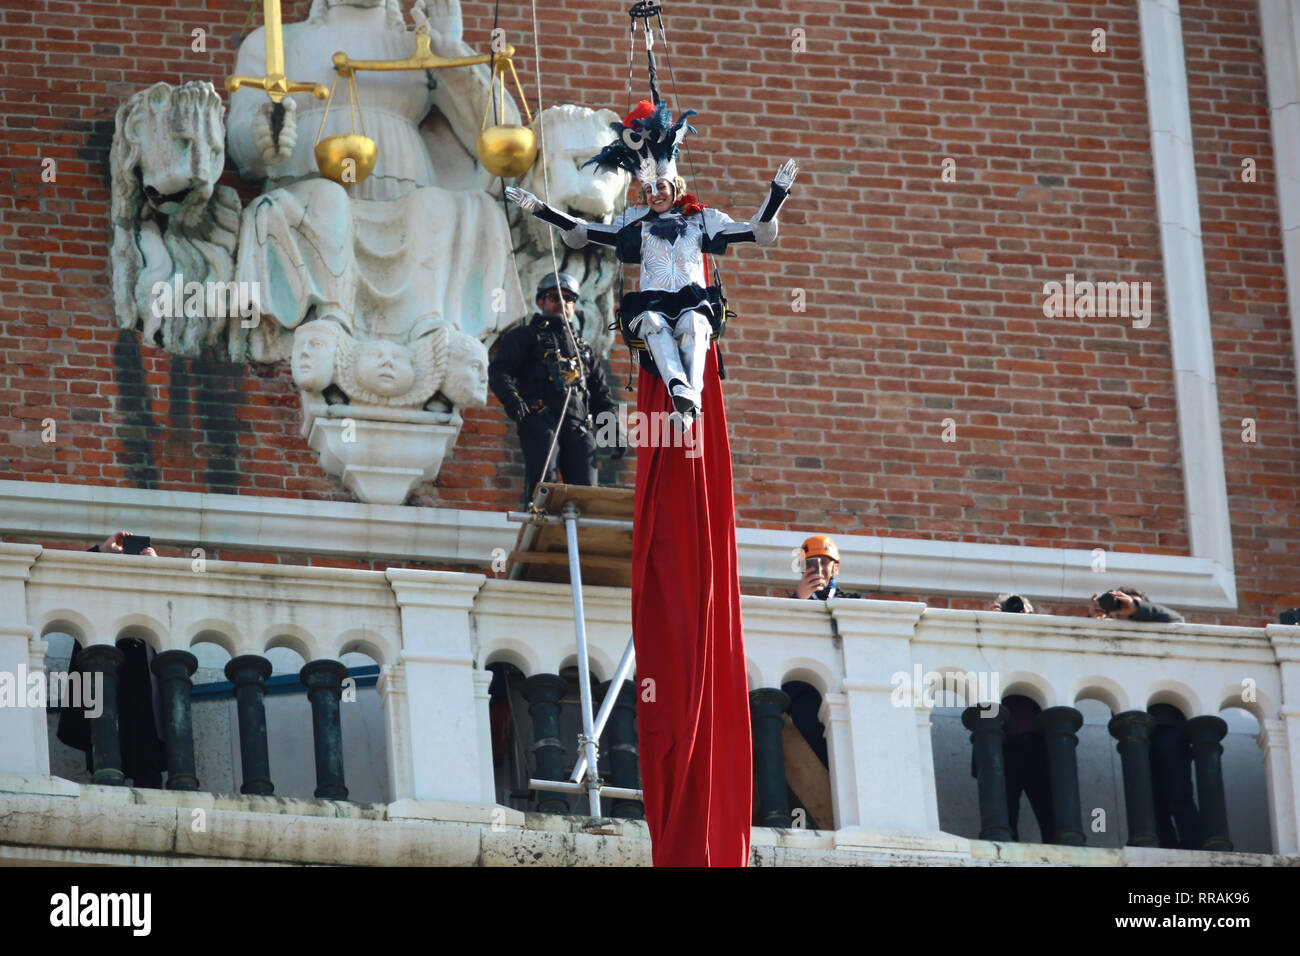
(923, 298)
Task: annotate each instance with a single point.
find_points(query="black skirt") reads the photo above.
(672, 304)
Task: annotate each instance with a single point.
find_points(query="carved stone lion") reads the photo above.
(169, 215)
(571, 135)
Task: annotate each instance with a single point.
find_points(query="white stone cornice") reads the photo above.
(854, 618)
(1285, 639)
(913, 565)
(393, 532)
(192, 519)
(341, 587)
(16, 560)
(767, 615)
(440, 589)
(544, 601)
(1050, 632)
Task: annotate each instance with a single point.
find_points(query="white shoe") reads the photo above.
(686, 400)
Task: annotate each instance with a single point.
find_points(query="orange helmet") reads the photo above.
(820, 544)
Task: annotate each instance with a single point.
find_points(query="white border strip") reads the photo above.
(1279, 27)
(1209, 526)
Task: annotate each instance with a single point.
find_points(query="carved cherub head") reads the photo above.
(385, 368)
(315, 346)
(465, 383)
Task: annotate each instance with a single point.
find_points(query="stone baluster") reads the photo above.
(248, 673)
(767, 713)
(1204, 734)
(544, 693)
(988, 729)
(174, 669)
(1059, 726)
(105, 743)
(1132, 730)
(620, 744)
(324, 680)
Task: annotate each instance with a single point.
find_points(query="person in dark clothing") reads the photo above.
(821, 564)
(139, 736)
(1131, 604)
(139, 707)
(1024, 753)
(534, 365)
(1178, 822)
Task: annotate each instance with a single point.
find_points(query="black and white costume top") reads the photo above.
(670, 247)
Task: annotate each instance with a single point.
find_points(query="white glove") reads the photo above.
(523, 199)
(785, 175)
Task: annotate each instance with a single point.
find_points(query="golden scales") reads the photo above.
(505, 150)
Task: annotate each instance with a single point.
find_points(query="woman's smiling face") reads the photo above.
(660, 195)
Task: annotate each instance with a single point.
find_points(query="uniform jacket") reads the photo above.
(527, 373)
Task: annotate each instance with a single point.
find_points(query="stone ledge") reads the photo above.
(397, 533)
(158, 828)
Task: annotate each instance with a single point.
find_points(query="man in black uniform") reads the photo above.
(533, 366)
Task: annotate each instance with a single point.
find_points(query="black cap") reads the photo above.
(567, 284)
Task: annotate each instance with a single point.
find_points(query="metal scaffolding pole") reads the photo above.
(585, 777)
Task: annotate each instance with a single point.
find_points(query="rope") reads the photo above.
(622, 267)
(550, 233)
(672, 78)
(555, 264)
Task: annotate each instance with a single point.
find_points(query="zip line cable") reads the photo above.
(555, 264)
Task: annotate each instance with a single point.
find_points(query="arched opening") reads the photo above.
(213, 715)
(1023, 696)
(807, 762)
(361, 716)
(1101, 778)
(290, 747)
(511, 730)
(66, 689)
(1245, 783)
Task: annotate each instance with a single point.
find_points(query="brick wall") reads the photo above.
(923, 298)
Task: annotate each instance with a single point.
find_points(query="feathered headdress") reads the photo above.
(645, 144)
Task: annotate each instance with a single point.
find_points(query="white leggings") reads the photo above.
(679, 350)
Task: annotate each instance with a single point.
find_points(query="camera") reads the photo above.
(135, 543)
(1013, 604)
(1107, 602)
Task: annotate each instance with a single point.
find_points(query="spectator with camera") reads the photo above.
(1128, 603)
(821, 562)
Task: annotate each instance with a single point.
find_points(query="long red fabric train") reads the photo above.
(693, 720)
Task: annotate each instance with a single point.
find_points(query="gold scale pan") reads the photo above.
(505, 150)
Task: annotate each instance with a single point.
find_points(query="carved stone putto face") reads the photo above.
(385, 368)
(312, 363)
(467, 379)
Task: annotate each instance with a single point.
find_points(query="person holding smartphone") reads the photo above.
(821, 562)
(124, 542)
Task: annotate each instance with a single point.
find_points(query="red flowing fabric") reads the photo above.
(694, 735)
